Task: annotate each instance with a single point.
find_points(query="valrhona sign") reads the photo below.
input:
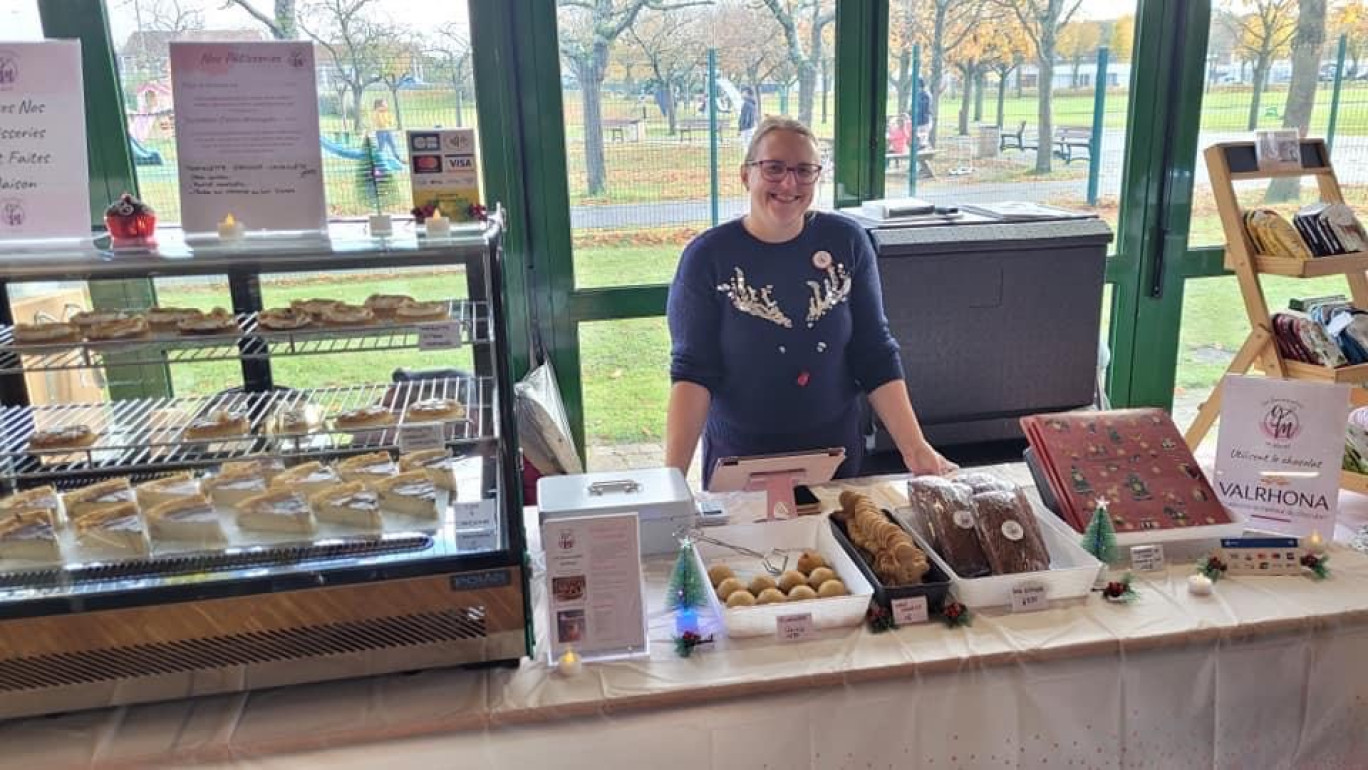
(1279, 452)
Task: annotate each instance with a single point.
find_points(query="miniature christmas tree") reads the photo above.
(373, 180)
(688, 586)
(1099, 539)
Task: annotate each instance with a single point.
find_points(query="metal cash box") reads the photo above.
(659, 496)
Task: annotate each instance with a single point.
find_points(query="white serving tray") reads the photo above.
(1071, 575)
(804, 532)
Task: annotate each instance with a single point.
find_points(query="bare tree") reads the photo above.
(1263, 35)
(397, 56)
(1042, 21)
(281, 22)
(904, 32)
(673, 46)
(353, 42)
(1301, 93)
(951, 23)
(804, 19)
(450, 49)
(589, 28)
(750, 45)
(168, 17)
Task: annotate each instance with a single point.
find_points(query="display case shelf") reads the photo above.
(251, 342)
(145, 435)
(1317, 267)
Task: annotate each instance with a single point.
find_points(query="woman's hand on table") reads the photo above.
(922, 459)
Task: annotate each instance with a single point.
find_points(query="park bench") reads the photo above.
(687, 128)
(1072, 143)
(1016, 140)
(895, 160)
(625, 129)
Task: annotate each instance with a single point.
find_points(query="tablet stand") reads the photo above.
(778, 487)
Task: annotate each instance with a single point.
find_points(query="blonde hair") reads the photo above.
(773, 123)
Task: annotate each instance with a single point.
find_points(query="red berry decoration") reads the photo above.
(1119, 590)
(130, 221)
(1317, 565)
(955, 614)
(477, 212)
(421, 213)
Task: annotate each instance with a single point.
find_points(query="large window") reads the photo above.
(994, 111)
(19, 20)
(381, 70)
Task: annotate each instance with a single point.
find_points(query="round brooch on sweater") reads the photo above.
(821, 260)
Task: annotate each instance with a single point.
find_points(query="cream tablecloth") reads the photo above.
(1269, 672)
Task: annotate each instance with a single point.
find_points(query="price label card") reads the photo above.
(910, 610)
(420, 436)
(1147, 558)
(1029, 596)
(478, 542)
(794, 628)
(475, 516)
(439, 336)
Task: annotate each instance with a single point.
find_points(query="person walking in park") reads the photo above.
(382, 122)
(749, 117)
(923, 112)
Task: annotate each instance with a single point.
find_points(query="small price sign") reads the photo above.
(1029, 596)
(439, 336)
(478, 542)
(420, 436)
(794, 628)
(909, 610)
(1147, 558)
(474, 516)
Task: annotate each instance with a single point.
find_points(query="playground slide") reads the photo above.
(144, 155)
(387, 159)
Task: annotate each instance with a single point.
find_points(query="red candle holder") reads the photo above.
(131, 222)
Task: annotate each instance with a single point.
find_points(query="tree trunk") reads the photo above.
(398, 113)
(1260, 75)
(460, 107)
(825, 90)
(672, 106)
(937, 70)
(1044, 111)
(978, 96)
(904, 84)
(1002, 96)
(285, 20)
(1301, 92)
(1077, 65)
(807, 88)
(591, 101)
(1018, 84)
(358, 93)
(966, 101)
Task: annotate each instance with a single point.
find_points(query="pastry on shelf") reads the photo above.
(262, 465)
(218, 423)
(412, 494)
(233, 485)
(42, 498)
(437, 463)
(373, 416)
(66, 437)
(307, 478)
(30, 535)
(314, 307)
(216, 321)
(384, 305)
(85, 319)
(165, 319)
(419, 312)
(282, 510)
(352, 505)
(45, 333)
(190, 519)
(342, 314)
(166, 489)
(368, 467)
(435, 410)
(296, 419)
(98, 497)
(131, 327)
(117, 526)
(283, 319)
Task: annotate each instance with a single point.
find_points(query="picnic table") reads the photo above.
(685, 129)
(924, 171)
(625, 129)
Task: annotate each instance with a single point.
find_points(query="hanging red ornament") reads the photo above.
(130, 221)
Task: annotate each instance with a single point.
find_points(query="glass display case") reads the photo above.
(116, 586)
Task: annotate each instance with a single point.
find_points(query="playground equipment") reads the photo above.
(144, 155)
(388, 160)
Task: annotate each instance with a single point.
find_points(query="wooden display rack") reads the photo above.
(1231, 162)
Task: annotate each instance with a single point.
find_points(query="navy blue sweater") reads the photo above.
(784, 336)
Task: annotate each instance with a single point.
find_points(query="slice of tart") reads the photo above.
(307, 478)
(67, 437)
(164, 319)
(166, 489)
(37, 499)
(296, 420)
(98, 497)
(283, 319)
(118, 329)
(384, 305)
(264, 465)
(435, 410)
(419, 312)
(437, 463)
(372, 416)
(29, 535)
(282, 510)
(369, 467)
(412, 494)
(218, 423)
(46, 332)
(353, 505)
(187, 519)
(217, 321)
(116, 526)
(233, 485)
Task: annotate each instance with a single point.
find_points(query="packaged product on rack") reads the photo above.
(948, 508)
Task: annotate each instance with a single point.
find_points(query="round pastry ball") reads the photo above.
(729, 586)
(741, 598)
(832, 588)
(760, 583)
(771, 596)
(719, 572)
(790, 579)
(809, 561)
(800, 593)
(820, 576)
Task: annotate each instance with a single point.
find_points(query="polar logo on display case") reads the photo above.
(1280, 422)
(12, 213)
(9, 69)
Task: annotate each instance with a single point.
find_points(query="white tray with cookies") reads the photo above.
(787, 543)
(1071, 575)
